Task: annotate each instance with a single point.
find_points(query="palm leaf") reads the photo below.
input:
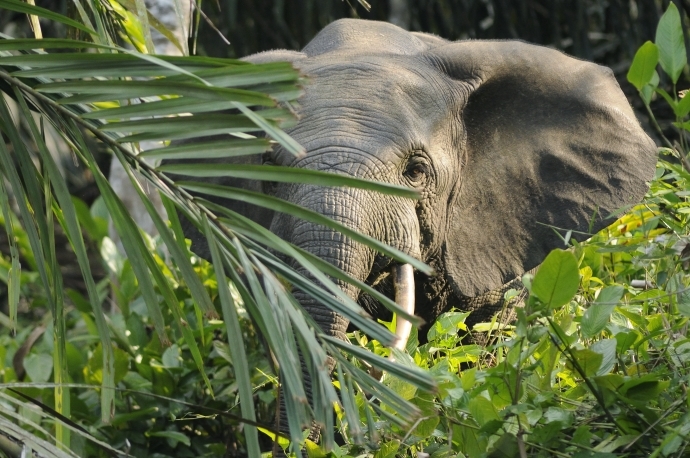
(183, 97)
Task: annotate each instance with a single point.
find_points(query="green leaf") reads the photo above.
(236, 344)
(649, 89)
(643, 65)
(74, 65)
(505, 447)
(388, 449)
(483, 410)
(587, 360)
(415, 376)
(669, 39)
(557, 279)
(118, 89)
(683, 107)
(173, 436)
(39, 367)
(625, 340)
(426, 427)
(607, 349)
(597, 315)
(211, 150)
(448, 323)
(643, 388)
(285, 175)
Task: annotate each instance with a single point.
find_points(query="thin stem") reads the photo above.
(567, 351)
(656, 125)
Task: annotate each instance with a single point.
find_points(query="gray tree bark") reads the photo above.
(399, 13)
(174, 15)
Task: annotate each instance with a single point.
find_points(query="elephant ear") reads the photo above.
(551, 141)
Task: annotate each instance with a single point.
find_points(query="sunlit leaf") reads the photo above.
(643, 66)
(669, 39)
(557, 279)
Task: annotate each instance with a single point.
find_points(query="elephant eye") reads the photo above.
(417, 170)
(267, 159)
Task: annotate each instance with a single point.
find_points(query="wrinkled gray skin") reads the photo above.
(501, 138)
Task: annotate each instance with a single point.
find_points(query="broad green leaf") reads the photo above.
(426, 427)
(625, 340)
(643, 388)
(649, 89)
(643, 66)
(609, 381)
(597, 315)
(388, 449)
(607, 349)
(676, 287)
(557, 279)
(448, 323)
(556, 414)
(505, 447)
(39, 367)
(482, 410)
(587, 360)
(669, 39)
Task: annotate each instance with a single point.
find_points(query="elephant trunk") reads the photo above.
(355, 259)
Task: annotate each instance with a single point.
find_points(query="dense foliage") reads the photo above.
(595, 365)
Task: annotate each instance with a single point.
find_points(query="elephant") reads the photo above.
(503, 141)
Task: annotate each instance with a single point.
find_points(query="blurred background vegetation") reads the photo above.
(605, 31)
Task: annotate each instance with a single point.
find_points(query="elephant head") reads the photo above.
(503, 141)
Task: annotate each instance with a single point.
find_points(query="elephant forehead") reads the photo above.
(373, 78)
(379, 102)
(352, 34)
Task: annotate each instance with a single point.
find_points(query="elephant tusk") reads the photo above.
(403, 282)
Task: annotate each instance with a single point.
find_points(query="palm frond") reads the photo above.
(123, 97)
